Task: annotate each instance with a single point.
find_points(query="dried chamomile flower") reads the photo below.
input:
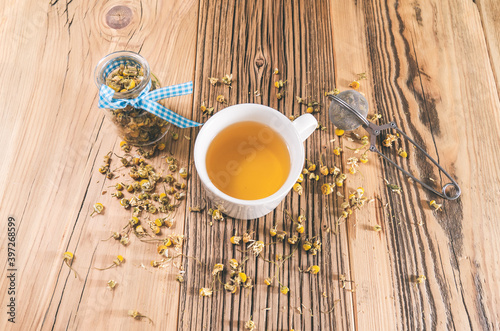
(307, 245)
(323, 169)
(377, 228)
(311, 166)
(363, 158)
(313, 176)
(339, 181)
(68, 258)
(179, 195)
(276, 71)
(206, 292)
(420, 279)
(241, 278)
(402, 153)
(233, 263)
(293, 239)
(361, 76)
(435, 205)
(112, 284)
(213, 80)
(117, 194)
(247, 237)
(268, 281)
(300, 179)
(114, 235)
(98, 208)
(273, 231)
(221, 99)
(257, 247)
(321, 127)
(216, 214)
(250, 325)
(298, 188)
(248, 283)
(313, 107)
(116, 262)
(159, 222)
(161, 146)
(183, 173)
(138, 316)
(339, 132)
(180, 186)
(353, 163)
(180, 278)
(300, 228)
(284, 289)
(124, 240)
(280, 235)
(389, 139)
(125, 146)
(155, 264)
(230, 288)
(327, 188)
(161, 249)
(314, 269)
(235, 240)
(154, 228)
(279, 84)
(219, 267)
(334, 92)
(393, 187)
(125, 203)
(337, 151)
(228, 79)
(334, 171)
(176, 239)
(198, 208)
(354, 84)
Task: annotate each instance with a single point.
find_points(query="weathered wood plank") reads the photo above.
(489, 11)
(55, 137)
(249, 40)
(429, 71)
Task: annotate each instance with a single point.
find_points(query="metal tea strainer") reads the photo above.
(348, 111)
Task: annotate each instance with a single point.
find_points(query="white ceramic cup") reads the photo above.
(294, 134)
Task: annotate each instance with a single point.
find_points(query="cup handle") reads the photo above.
(305, 125)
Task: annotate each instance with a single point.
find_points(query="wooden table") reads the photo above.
(432, 66)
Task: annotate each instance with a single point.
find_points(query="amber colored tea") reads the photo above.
(248, 160)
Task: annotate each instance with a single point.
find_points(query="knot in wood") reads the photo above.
(119, 17)
(259, 62)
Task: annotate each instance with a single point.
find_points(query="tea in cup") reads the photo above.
(249, 156)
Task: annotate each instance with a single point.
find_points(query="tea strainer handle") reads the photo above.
(375, 130)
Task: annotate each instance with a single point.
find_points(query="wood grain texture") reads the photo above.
(249, 40)
(55, 105)
(489, 11)
(432, 66)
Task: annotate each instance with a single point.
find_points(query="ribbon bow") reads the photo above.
(148, 101)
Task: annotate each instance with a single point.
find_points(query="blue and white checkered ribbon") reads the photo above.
(148, 101)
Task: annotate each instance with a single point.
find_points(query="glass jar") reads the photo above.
(136, 126)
